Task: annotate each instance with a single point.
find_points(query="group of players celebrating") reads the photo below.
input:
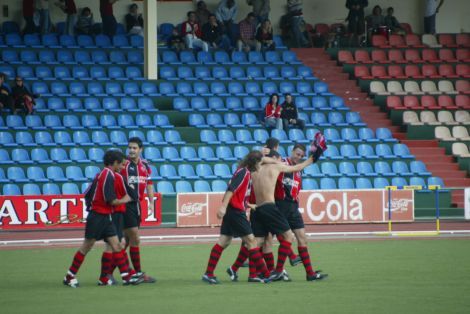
(268, 186)
(264, 183)
(113, 202)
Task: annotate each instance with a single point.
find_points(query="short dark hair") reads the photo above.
(272, 142)
(211, 15)
(272, 96)
(189, 13)
(273, 154)
(137, 141)
(300, 146)
(86, 9)
(390, 9)
(251, 160)
(134, 5)
(113, 155)
(251, 14)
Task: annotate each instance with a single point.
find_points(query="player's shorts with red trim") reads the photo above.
(235, 223)
(290, 210)
(267, 218)
(132, 215)
(99, 226)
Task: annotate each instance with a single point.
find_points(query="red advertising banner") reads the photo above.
(316, 207)
(57, 212)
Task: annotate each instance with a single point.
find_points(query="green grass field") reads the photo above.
(383, 276)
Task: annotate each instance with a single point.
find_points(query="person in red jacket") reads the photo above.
(192, 33)
(272, 113)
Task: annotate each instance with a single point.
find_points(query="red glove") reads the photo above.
(318, 146)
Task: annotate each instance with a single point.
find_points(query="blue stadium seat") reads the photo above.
(215, 120)
(50, 189)
(44, 73)
(131, 88)
(222, 171)
(204, 171)
(218, 88)
(345, 183)
(280, 135)
(332, 153)
(240, 152)
(53, 122)
(28, 57)
(288, 72)
(99, 57)
(219, 186)
(384, 151)
(329, 169)
(11, 189)
(9, 27)
(381, 183)
(135, 57)
(199, 104)
(74, 173)
(319, 118)
(169, 172)
(78, 155)
(244, 136)
(172, 136)
(234, 103)
(402, 151)
(305, 89)
(187, 171)
(81, 72)
(137, 41)
(150, 89)
(14, 40)
(50, 40)
(81, 138)
(287, 88)
(116, 73)
(202, 186)
(120, 41)
(6, 139)
(59, 155)
(399, 181)
(82, 56)
(327, 184)
(353, 118)
(85, 41)
(419, 168)
(273, 57)
(16, 174)
(67, 41)
(332, 135)
(349, 151)
(289, 57)
(251, 104)
(181, 104)
(187, 57)
(201, 88)
(31, 189)
(21, 156)
(256, 57)
(100, 138)
(209, 136)
(185, 73)
(203, 57)
(197, 120)
(348, 169)
(5, 157)
(65, 56)
(155, 137)
(117, 56)
(236, 88)
(32, 40)
(309, 184)
(226, 136)
(383, 168)
(70, 189)
(161, 120)
(401, 167)
(15, 122)
(224, 153)
(152, 154)
(436, 181)
(269, 88)
(55, 173)
(42, 138)
(349, 135)
(336, 118)
(102, 41)
(366, 151)
(366, 134)
(118, 138)
(417, 181)
(364, 168)
(203, 73)
(171, 154)
(189, 153)
(24, 138)
(165, 187)
(206, 153)
(95, 154)
(237, 73)
(239, 57)
(184, 88)
(363, 183)
(271, 72)
(321, 88)
(108, 121)
(91, 172)
(384, 134)
(260, 135)
(183, 187)
(216, 103)
(313, 171)
(113, 88)
(254, 72)
(137, 133)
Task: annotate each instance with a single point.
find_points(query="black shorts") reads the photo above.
(99, 226)
(132, 215)
(268, 218)
(235, 223)
(290, 210)
(118, 220)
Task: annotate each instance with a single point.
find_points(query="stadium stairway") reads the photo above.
(428, 151)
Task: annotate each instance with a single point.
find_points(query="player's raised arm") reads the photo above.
(299, 167)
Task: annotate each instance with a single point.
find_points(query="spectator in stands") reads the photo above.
(247, 39)
(107, 17)
(264, 36)
(6, 101)
(213, 34)
(69, 8)
(192, 33)
(290, 115)
(376, 19)
(392, 23)
(431, 9)
(202, 13)
(28, 15)
(176, 41)
(23, 98)
(297, 23)
(355, 17)
(227, 13)
(85, 23)
(272, 113)
(134, 21)
(42, 7)
(261, 9)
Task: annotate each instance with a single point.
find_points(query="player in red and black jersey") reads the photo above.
(101, 198)
(235, 222)
(286, 194)
(137, 174)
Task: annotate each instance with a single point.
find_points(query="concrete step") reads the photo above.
(452, 174)
(457, 182)
(427, 159)
(421, 143)
(444, 166)
(428, 150)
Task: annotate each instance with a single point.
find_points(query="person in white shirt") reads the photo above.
(430, 10)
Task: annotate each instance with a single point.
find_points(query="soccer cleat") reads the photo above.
(107, 281)
(147, 278)
(317, 276)
(276, 276)
(71, 281)
(285, 276)
(259, 279)
(210, 279)
(233, 274)
(134, 279)
(296, 261)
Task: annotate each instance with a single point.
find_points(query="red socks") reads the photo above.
(283, 252)
(257, 263)
(303, 252)
(241, 258)
(269, 259)
(107, 266)
(123, 264)
(216, 252)
(78, 259)
(135, 257)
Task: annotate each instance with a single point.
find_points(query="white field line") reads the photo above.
(214, 236)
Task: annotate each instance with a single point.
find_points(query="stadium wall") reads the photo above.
(453, 17)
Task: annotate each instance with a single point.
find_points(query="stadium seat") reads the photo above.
(202, 186)
(219, 186)
(183, 187)
(187, 171)
(165, 187)
(11, 189)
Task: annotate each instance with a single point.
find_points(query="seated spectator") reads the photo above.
(213, 34)
(24, 99)
(134, 21)
(392, 23)
(69, 8)
(376, 19)
(272, 113)
(290, 115)
(176, 41)
(6, 101)
(202, 13)
(227, 13)
(85, 23)
(192, 34)
(247, 39)
(265, 36)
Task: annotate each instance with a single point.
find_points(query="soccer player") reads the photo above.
(136, 173)
(286, 195)
(235, 223)
(101, 198)
(268, 217)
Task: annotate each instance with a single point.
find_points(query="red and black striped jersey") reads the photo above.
(137, 176)
(102, 192)
(288, 185)
(240, 185)
(121, 191)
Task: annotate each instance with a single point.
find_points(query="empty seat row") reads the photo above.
(406, 56)
(458, 133)
(412, 71)
(429, 40)
(443, 117)
(64, 138)
(68, 41)
(69, 57)
(236, 72)
(88, 121)
(428, 102)
(419, 88)
(367, 183)
(461, 150)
